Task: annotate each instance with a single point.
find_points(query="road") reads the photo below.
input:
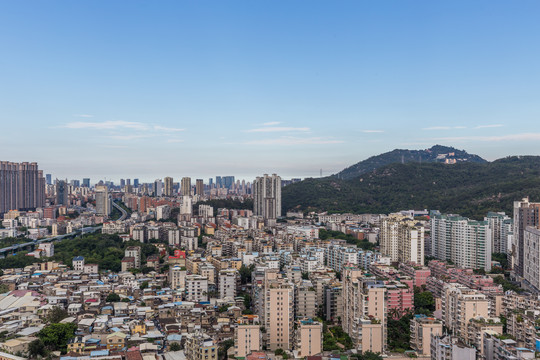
(121, 209)
(16, 247)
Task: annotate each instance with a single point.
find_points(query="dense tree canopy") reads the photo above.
(469, 189)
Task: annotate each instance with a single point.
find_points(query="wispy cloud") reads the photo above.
(290, 140)
(509, 137)
(175, 140)
(271, 123)
(163, 128)
(106, 125)
(84, 115)
(489, 126)
(372, 131)
(125, 137)
(444, 127)
(278, 129)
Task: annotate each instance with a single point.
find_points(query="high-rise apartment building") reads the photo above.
(525, 214)
(531, 260)
(501, 232)
(365, 310)
(22, 186)
(103, 203)
(185, 186)
(278, 311)
(267, 196)
(461, 304)
(246, 339)
(402, 239)
(308, 338)
(199, 187)
(464, 242)
(62, 193)
(168, 186)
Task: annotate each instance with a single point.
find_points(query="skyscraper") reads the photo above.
(525, 214)
(22, 186)
(199, 187)
(128, 181)
(267, 196)
(122, 183)
(48, 177)
(136, 183)
(168, 186)
(158, 187)
(103, 204)
(62, 193)
(186, 186)
(86, 182)
(228, 181)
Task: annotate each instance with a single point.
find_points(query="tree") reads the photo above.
(112, 297)
(175, 347)
(56, 314)
(424, 303)
(245, 273)
(144, 285)
(36, 348)
(56, 336)
(3, 288)
(224, 348)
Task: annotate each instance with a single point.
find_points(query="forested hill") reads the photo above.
(437, 153)
(469, 189)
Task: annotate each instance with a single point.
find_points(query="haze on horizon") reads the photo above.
(144, 90)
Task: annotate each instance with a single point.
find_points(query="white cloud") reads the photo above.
(372, 131)
(278, 129)
(106, 125)
(290, 140)
(510, 137)
(163, 128)
(489, 126)
(444, 127)
(84, 115)
(271, 123)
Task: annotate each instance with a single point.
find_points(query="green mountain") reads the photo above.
(435, 154)
(468, 188)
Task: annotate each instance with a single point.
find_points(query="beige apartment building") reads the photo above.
(278, 312)
(308, 338)
(200, 346)
(246, 340)
(461, 304)
(422, 328)
(364, 316)
(402, 239)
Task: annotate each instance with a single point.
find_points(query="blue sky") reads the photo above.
(202, 88)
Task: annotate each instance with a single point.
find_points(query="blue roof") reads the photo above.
(78, 258)
(174, 337)
(100, 282)
(100, 353)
